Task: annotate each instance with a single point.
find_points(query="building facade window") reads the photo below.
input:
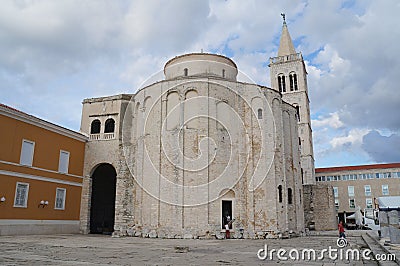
(385, 190)
(366, 176)
(367, 190)
(350, 190)
(27, 151)
(368, 203)
(63, 162)
(384, 175)
(337, 204)
(336, 192)
(352, 177)
(21, 195)
(60, 199)
(223, 73)
(259, 113)
(352, 203)
(95, 127)
(185, 72)
(109, 126)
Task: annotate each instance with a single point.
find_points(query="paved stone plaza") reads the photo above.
(105, 250)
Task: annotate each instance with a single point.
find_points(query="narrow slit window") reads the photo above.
(280, 193)
(290, 196)
(185, 72)
(259, 113)
(298, 113)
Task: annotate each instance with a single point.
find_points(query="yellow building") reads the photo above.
(41, 166)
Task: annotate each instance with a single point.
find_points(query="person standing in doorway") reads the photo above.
(227, 224)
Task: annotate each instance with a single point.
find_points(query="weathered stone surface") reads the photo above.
(188, 236)
(153, 234)
(165, 180)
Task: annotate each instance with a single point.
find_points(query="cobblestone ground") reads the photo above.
(105, 250)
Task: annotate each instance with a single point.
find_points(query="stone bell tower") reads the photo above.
(289, 76)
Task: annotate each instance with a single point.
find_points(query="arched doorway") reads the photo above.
(102, 209)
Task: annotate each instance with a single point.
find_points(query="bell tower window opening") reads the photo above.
(281, 83)
(291, 82)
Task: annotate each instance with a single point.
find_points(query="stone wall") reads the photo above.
(319, 207)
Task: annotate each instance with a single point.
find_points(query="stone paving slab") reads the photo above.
(105, 250)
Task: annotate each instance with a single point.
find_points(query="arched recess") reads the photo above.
(102, 203)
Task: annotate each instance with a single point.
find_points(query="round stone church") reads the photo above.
(183, 156)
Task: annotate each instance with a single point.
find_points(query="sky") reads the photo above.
(54, 54)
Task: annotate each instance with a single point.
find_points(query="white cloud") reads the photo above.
(353, 138)
(332, 121)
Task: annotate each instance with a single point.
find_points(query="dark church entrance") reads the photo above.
(102, 208)
(226, 213)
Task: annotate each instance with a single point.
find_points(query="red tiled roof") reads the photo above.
(357, 167)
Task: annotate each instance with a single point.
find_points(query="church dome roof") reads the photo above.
(200, 64)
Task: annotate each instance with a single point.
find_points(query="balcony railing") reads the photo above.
(102, 136)
(285, 58)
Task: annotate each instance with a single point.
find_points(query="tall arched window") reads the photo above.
(109, 126)
(185, 72)
(95, 127)
(259, 113)
(280, 193)
(293, 82)
(281, 83)
(290, 195)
